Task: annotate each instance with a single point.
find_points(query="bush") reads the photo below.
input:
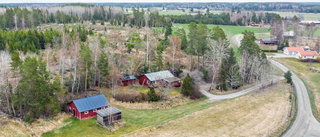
(187, 86)
(152, 95)
(288, 75)
(195, 94)
(130, 97)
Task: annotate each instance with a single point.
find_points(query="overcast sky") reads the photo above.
(130, 1)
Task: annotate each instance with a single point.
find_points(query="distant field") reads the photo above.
(307, 16)
(179, 12)
(229, 30)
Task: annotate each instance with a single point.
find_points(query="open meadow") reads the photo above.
(256, 114)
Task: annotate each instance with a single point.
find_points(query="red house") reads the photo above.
(128, 80)
(87, 107)
(161, 78)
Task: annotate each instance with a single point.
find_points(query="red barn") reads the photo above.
(87, 107)
(128, 80)
(161, 78)
(269, 41)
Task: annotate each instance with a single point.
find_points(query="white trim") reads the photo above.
(69, 108)
(86, 112)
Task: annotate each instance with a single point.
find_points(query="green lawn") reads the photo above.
(136, 119)
(307, 16)
(228, 29)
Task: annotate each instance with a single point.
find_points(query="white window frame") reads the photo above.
(95, 110)
(69, 108)
(148, 82)
(86, 112)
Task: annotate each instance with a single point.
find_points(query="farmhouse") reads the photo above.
(108, 116)
(288, 35)
(269, 41)
(87, 107)
(309, 22)
(307, 55)
(161, 78)
(292, 50)
(128, 80)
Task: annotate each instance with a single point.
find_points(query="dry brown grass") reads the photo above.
(44, 125)
(12, 128)
(256, 114)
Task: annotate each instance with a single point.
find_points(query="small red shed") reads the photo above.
(161, 78)
(128, 80)
(87, 107)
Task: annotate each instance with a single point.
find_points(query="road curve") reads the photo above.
(305, 125)
(212, 97)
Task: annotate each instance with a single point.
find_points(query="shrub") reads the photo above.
(128, 97)
(187, 86)
(152, 95)
(195, 94)
(288, 75)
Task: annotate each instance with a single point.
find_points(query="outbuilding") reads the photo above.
(128, 80)
(108, 116)
(269, 41)
(161, 78)
(87, 107)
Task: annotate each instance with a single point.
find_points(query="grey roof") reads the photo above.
(92, 102)
(269, 40)
(173, 79)
(108, 111)
(159, 75)
(128, 78)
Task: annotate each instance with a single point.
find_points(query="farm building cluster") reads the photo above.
(92, 106)
(301, 53)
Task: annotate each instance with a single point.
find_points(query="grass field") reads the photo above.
(135, 119)
(311, 79)
(307, 16)
(256, 114)
(231, 30)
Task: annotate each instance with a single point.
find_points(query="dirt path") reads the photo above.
(236, 39)
(212, 97)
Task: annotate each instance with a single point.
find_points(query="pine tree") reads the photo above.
(86, 59)
(222, 78)
(103, 65)
(152, 95)
(187, 86)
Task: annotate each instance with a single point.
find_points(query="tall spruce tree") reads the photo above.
(187, 86)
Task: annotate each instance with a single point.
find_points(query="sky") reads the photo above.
(143, 1)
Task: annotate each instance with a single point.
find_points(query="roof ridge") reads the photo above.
(87, 97)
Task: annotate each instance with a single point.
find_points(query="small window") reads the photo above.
(86, 112)
(95, 110)
(148, 82)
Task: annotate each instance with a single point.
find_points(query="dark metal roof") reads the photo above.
(92, 102)
(270, 40)
(108, 111)
(128, 78)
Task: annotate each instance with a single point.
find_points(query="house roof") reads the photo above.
(269, 40)
(172, 79)
(308, 53)
(108, 111)
(294, 48)
(124, 78)
(92, 102)
(159, 75)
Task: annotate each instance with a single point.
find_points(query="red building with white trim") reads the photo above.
(87, 107)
